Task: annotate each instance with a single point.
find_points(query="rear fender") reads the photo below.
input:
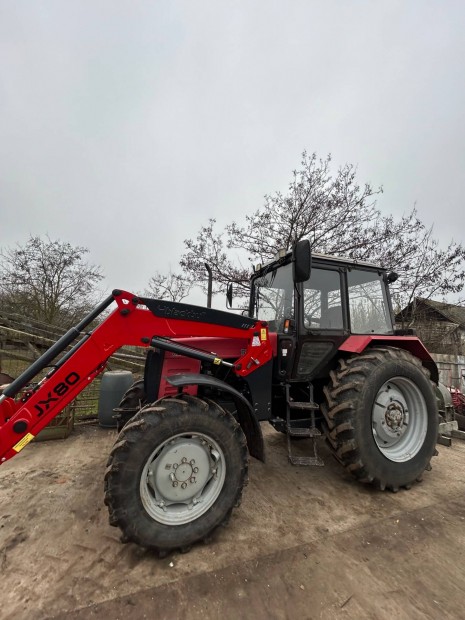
(245, 414)
(358, 344)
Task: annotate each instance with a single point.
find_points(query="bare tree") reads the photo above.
(341, 218)
(428, 271)
(174, 287)
(48, 280)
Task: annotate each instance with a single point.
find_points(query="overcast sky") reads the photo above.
(124, 126)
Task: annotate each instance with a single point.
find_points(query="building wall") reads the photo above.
(445, 338)
(439, 334)
(451, 370)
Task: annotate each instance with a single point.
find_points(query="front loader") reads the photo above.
(317, 354)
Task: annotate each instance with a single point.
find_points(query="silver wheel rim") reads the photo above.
(182, 478)
(399, 419)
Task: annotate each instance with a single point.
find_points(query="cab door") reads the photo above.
(322, 321)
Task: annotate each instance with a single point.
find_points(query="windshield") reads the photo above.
(274, 297)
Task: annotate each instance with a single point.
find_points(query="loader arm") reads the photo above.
(135, 322)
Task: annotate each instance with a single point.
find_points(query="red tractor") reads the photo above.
(316, 354)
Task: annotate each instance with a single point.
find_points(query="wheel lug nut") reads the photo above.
(175, 466)
(192, 480)
(175, 483)
(196, 470)
(192, 462)
(183, 485)
(183, 460)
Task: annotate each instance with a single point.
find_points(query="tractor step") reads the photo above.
(302, 431)
(306, 460)
(302, 427)
(303, 406)
(311, 433)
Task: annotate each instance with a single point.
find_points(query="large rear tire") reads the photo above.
(133, 399)
(134, 396)
(382, 417)
(175, 473)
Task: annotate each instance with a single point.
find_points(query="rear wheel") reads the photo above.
(382, 418)
(175, 473)
(133, 399)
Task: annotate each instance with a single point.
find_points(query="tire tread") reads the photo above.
(150, 417)
(341, 393)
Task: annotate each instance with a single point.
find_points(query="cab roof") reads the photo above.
(319, 258)
(349, 261)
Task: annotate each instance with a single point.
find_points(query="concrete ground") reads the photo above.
(305, 543)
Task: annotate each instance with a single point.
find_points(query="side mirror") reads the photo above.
(301, 261)
(239, 295)
(229, 295)
(392, 277)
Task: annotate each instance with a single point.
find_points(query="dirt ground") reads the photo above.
(305, 543)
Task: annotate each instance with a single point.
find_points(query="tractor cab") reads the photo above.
(312, 312)
(340, 367)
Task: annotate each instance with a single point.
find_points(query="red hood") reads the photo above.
(226, 348)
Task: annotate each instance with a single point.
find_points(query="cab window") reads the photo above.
(369, 311)
(322, 300)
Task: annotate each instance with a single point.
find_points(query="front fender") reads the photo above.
(245, 414)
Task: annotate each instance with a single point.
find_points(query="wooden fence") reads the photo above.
(23, 340)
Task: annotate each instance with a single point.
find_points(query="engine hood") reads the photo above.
(226, 348)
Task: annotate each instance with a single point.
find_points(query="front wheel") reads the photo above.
(382, 417)
(175, 473)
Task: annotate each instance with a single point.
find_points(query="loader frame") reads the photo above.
(136, 321)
